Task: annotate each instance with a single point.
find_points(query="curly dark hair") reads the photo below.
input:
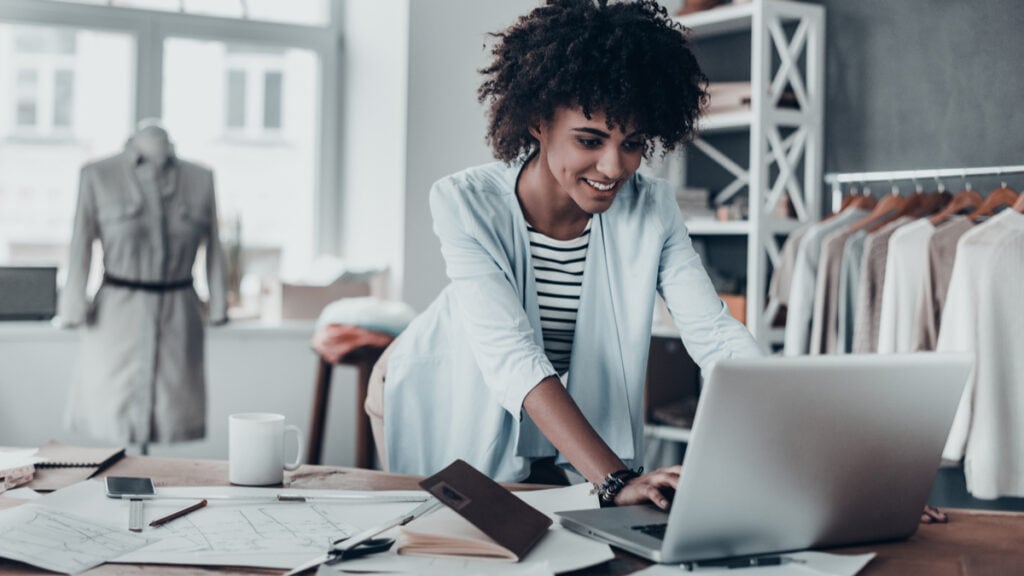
(627, 60)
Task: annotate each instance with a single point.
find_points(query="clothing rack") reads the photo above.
(892, 176)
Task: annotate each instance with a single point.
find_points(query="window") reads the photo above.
(44, 60)
(27, 90)
(272, 100)
(249, 107)
(253, 98)
(307, 12)
(46, 134)
(235, 104)
(258, 108)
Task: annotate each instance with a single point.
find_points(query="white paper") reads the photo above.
(263, 533)
(424, 566)
(18, 458)
(559, 550)
(806, 564)
(21, 494)
(60, 541)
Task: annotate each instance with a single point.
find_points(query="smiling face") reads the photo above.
(586, 160)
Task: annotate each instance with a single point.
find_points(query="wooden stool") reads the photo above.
(363, 358)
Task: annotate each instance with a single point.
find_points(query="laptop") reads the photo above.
(794, 453)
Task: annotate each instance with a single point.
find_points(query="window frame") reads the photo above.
(151, 28)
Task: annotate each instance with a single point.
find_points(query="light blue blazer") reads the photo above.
(457, 377)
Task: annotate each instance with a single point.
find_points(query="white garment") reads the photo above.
(805, 274)
(904, 270)
(983, 315)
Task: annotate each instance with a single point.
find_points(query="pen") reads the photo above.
(178, 514)
(733, 563)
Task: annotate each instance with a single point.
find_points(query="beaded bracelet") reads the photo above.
(614, 483)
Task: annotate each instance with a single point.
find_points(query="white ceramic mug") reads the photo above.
(256, 448)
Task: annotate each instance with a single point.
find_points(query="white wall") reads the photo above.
(446, 125)
(248, 370)
(374, 82)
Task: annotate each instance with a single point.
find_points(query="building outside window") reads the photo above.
(65, 99)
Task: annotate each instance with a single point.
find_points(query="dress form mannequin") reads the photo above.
(153, 143)
(142, 374)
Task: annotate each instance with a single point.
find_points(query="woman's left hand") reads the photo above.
(653, 487)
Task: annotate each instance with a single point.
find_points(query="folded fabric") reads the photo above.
(370, 313)
(334, 341)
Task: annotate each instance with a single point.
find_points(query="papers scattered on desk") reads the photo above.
(805, 564)
(235, 532)
(61, 542)
(54, 532)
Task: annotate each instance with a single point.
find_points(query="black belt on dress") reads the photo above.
(147, 286)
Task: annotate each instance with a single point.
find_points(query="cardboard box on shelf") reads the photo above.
(306, 301)
(737, 305)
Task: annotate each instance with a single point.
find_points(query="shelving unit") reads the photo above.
(787, 41)
(787, 49)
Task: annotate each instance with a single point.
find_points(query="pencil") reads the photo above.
(178, 514)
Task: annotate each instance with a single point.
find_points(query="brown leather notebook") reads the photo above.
(503, 526)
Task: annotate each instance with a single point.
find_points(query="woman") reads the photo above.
(533, 358)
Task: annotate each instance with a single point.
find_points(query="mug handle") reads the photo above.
(298, 443)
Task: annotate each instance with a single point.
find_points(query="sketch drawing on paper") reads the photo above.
(263, 528)
(251, 534)
(61, 542)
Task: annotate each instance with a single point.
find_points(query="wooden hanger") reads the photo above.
(997, 199)
(863, 201)
(966, 200)
(854, 199)
(1019, 206)
(885, 210)
(916, 202)
(936, 201)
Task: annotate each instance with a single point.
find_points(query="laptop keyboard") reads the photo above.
(653, 530)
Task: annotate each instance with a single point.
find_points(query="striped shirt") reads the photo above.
(558, 268)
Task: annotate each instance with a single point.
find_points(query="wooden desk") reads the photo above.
(972, 544)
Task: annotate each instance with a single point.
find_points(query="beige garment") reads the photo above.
(782, 277)
(374, 404)
(872, 282)
(941, 255)
(825, 319)
(141, 375)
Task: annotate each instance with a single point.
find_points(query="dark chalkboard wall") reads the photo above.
(924, 83)
(913, 84)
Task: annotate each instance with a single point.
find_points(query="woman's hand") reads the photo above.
(653, 486)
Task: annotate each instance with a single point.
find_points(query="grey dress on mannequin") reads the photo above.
(141, 367)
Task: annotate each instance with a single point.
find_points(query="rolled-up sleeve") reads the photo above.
(73, 301)
(495, 322)
(216, 266)
(708, 331)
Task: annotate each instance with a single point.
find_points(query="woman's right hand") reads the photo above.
(656, 487)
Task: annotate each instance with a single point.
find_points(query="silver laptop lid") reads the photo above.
(793, 453)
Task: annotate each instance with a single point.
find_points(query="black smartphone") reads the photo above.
(121, 486)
